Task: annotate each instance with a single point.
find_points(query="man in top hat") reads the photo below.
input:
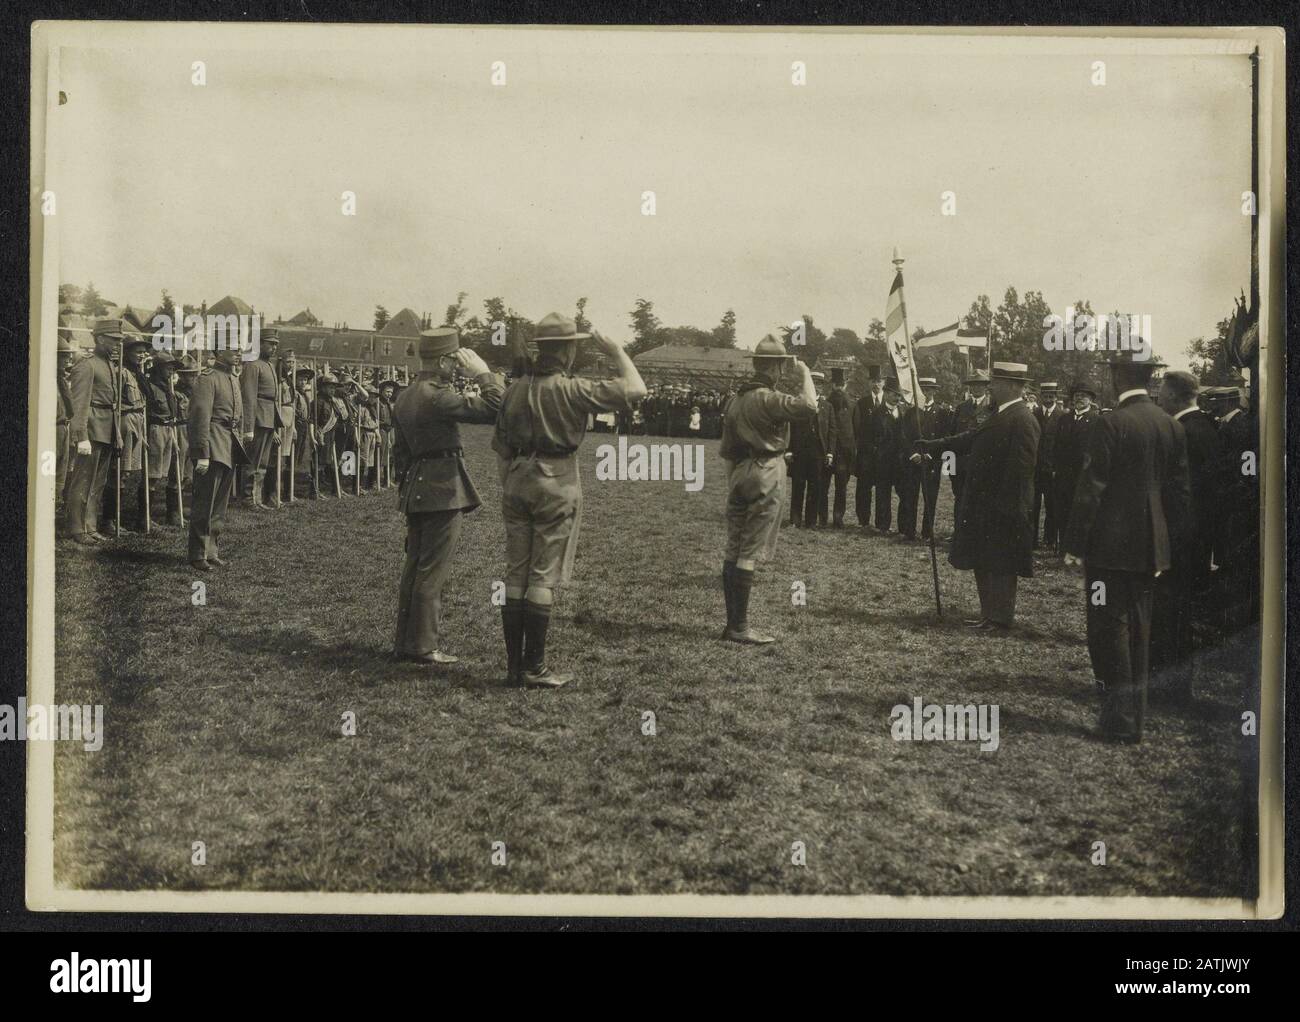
(922, 478)
(436, 488)
(970, 413)
(1131, 507)
(260, 416)
(754, 440)
(1071, 443)
(93, 431)
(808, 462)
(843, 447)
(67, 356)
(542, 421)
(215, 421)
(864, 444)
(892, 453)
(1050, 416)
(994, 534)
(137, 351)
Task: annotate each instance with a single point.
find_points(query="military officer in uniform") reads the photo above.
(542, 421)
(215, 418)
(436, 488)
(67, 356)
(92, 432)
(754, 440)
(261, 415)
(994, 534)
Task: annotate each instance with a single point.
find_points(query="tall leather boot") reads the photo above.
(537, 619)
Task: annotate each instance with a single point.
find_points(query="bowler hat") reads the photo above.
(873, 372)
(1083, 388)
(892, 385)
(555, 327)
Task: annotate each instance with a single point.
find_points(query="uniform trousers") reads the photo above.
(431, 540)
(208, 509)
(86, 480)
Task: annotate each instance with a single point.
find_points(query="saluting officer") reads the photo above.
(754, 440)
(542, 421)
(215, 417)
(436, 488)
(92, 432)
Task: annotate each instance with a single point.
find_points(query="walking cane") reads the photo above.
(118, 447)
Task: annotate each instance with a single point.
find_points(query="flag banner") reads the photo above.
(900, 346)
(952, 336)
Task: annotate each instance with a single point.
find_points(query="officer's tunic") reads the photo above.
(92, 384)
(261, 411)
(215, 417)
(542, 421)
(436, 489)
(754, 439)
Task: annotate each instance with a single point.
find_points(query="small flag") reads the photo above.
(952, 336)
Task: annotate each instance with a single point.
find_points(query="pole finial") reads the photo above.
(898, 257)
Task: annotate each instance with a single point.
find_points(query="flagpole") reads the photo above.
(916, 422)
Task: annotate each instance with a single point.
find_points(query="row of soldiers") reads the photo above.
(156, 424)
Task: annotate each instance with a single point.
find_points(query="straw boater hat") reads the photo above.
(928, 383)
(1015, 371)
(818, 376)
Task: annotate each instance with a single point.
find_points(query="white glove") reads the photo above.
(83, 447)
(201, 466)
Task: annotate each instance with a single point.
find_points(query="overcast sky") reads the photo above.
(772, 199)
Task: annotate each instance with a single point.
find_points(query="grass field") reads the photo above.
(224, 722)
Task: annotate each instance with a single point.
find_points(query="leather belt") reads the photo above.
(519, 452)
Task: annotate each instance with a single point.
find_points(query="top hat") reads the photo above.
(437, 342)
(1015, 371)
(555, 327)
(873, 372)
(837, 375)
(770, 347)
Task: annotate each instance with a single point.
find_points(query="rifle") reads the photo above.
(144, 458)
(176, 442)
(119, 446)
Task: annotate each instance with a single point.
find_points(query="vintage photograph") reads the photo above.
(655, 471)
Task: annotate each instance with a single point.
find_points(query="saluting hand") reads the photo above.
(471, 361)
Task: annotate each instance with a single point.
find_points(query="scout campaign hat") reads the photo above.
(1017, 371)
(185, 364)
(554, 327)
(978, 376)
(307, 372)
(389, 385)
(65, 344)
(770, 347)
(439, 341)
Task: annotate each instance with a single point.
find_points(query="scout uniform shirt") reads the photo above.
(754, 436)
(427, 447)
(541, 423)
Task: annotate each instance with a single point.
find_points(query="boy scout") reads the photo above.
(539, 428)
(216, 408)
(754, 438)
(436, 488)
(92, 432)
